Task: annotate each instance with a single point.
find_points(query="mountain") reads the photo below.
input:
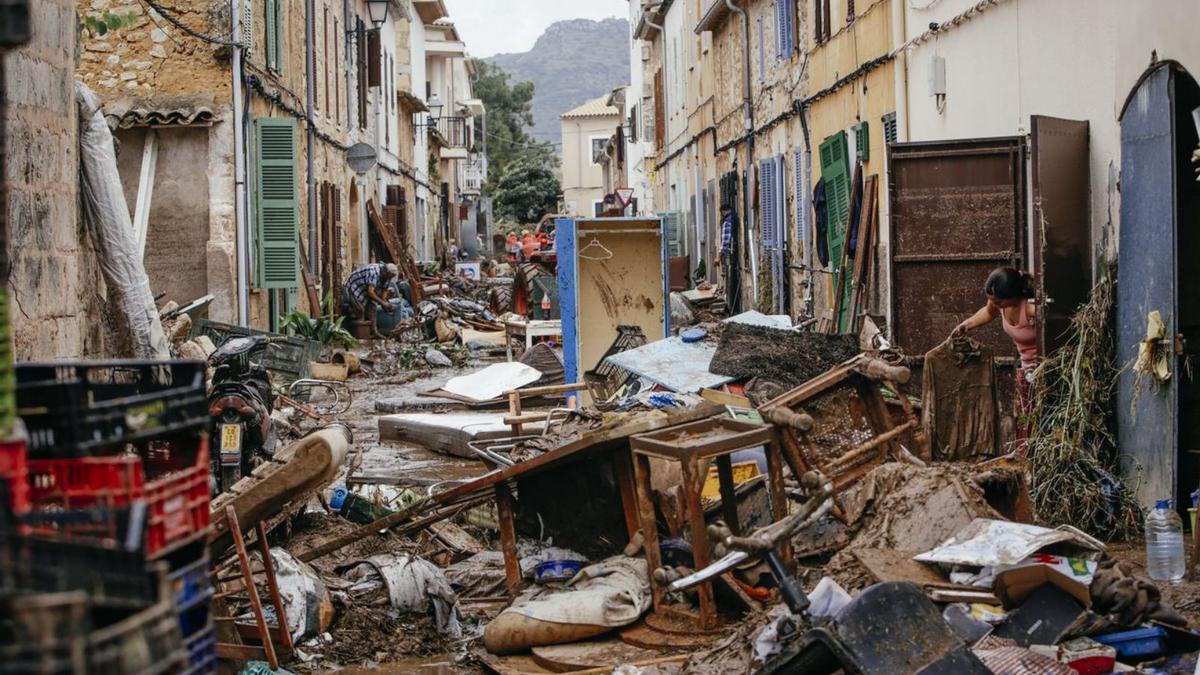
(571, 63)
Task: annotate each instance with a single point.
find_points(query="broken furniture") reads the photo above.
(243, 582)
(516, 420)
(611, 272)
(839, 424)
(691, 444)
(288, 360)
(527, 330)
(890, 628)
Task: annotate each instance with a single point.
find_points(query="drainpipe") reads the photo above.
(241, 197)
(748, 103)
(900, 74)
(310, 96)
(806, 206)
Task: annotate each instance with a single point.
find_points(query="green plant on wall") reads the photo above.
(101, 24)
(326, 329)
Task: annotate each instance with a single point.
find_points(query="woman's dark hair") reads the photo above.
(1007, 283)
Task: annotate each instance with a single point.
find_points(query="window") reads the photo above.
(849, 11)
(889, 128)
(762, 61)
(821, 20)
(276, 203)
(599, 143)
(597, 208)
(337, 72)
(785, 28)
(274, 33)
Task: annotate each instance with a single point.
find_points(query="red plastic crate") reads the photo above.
(14, 470)
(177, 497)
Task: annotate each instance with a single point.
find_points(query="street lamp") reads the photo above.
(378, 10)
(435, 109)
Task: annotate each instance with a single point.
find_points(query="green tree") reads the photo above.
(526, 191)
(509, 114)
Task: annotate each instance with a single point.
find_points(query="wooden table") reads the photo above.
(689, 444)
(529, 330)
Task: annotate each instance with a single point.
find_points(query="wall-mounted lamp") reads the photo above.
(378, 11)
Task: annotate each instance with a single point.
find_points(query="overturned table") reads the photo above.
(716, 438)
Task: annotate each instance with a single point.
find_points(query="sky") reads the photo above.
(492, 27)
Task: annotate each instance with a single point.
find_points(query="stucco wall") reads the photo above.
(583, 180)
(56, 290)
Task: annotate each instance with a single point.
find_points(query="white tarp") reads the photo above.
(111, 228)
(756, 318)
(677, 365)
(413, 584)
(493, 381)
(303, 595)
(986, 542)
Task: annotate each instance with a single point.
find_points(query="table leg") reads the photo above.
(728, 493)
(508, 342)
(508, 537)
(700, 546)
(779, 501)
(645, 499)
(623, 473)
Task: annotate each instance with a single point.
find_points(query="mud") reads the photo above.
(788, 358)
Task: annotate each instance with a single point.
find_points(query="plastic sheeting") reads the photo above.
(304, 595)
(413, 585)
(111, 228)
(986, 543)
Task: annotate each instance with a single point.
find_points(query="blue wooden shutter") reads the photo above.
(789, 17)
(277, 203)
(801, 200)
(766, 201)
(780, 44)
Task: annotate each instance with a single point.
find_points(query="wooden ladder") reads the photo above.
(237, 650)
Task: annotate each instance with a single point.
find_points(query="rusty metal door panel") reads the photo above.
(1147, 416)
(1061, 223)
(958, 211)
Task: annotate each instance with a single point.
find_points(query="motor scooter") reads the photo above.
(240, 401)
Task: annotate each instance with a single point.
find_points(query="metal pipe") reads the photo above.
(241, 195)
(310, 95)
(748, 104)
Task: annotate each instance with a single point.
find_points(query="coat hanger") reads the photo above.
(604, 254)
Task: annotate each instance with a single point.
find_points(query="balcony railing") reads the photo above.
(455, 131)
(475, 175)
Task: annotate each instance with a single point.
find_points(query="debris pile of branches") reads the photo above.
(1072, 447)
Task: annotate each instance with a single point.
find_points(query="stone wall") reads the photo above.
(56, 289)
(152, 64)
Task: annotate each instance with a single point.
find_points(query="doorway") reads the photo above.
(1159, 423)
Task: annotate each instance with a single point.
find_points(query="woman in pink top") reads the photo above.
(1010, 296)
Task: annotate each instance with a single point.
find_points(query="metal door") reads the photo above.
(958, 212)
(1147, 415)
(1061, 223)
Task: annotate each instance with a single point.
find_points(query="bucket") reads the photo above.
(335, 372)
(360, 329)
(352, 362)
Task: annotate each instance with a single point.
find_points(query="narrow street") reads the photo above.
(630, 337)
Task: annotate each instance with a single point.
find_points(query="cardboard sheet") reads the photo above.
(493, 381)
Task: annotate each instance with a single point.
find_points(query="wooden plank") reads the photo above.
(866, 246)
(728, 493)
(779, 501)
(623, 472)
(508, 537)
(649, 524)
(526, 418)
(273, 586)
(251, 589)
(145, 193)
(699, 537)
(530, 392)
(725, 398)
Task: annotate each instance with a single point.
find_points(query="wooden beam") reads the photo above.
(145, 194)
(508, 537)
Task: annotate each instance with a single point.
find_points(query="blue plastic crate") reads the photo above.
(191, 584)
(202, 651)
(194, 620)
(1136, 645)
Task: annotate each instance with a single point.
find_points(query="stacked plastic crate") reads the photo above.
(115, 494)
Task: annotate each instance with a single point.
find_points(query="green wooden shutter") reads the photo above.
(862, 141)
(278, 31)
(269, 34)
(835, 169)
(277, 203)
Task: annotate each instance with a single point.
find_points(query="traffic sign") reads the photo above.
(624, 195)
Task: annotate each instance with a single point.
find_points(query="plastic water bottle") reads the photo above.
(1165, 559)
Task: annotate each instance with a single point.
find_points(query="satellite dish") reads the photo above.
(362, 157)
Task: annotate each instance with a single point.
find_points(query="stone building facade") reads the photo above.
(56, 292)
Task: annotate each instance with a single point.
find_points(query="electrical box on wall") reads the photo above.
(937, 76)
